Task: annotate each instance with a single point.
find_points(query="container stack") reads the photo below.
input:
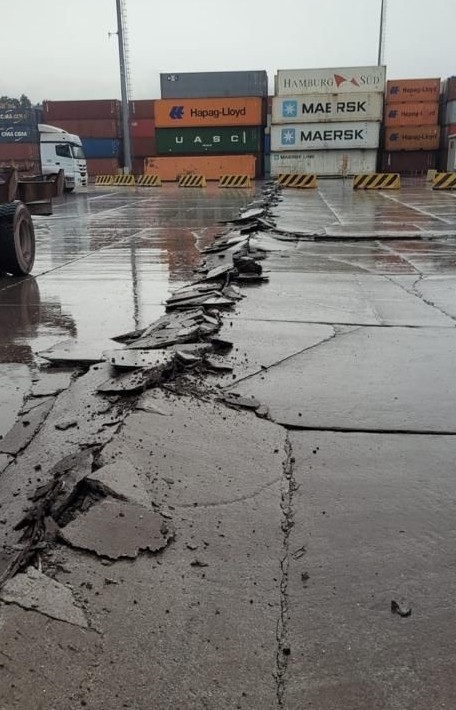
(19, 139)
(210, 123)
(412, 134)
(98, 125)
(327, 121)
(447, 157)
(142, 133)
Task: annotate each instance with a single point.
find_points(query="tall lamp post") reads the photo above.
(123, 88)
(381, 38)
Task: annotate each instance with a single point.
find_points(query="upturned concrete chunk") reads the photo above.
(25, 429)
(34, 590)
(113, 529)
(121, 480)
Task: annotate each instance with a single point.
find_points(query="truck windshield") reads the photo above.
(78, 152)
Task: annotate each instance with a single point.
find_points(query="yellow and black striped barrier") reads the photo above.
(377, 181)
(192, 181)
(301, 180)
(104, 179)
(123, 180)
(444, 181)
(234, 181)
(148, 181)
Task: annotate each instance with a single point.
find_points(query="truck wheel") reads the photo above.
(17, 239)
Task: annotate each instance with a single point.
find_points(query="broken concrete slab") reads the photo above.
(120, 480)
(117, 530)
(25, 429)
(132, 358)
(36, 591)
(233, 399)
(65, 424)
(51, 383)
(129, 382)
(73, 352)
(373, 379)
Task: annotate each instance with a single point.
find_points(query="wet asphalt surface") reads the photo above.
(293, 535)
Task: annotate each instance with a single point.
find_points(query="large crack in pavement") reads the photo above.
(286, 504)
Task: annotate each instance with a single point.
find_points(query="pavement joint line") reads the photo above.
(356, 325)
(330, 208)
(365, 430)
(282, 632)
(417, 209)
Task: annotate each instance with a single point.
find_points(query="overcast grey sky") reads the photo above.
(59, 49)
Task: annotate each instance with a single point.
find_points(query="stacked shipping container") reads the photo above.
(447, 159)
(19, 138)
(411, 134)
(142, 133)
(98, 125)
(326, 121)
(210, 123)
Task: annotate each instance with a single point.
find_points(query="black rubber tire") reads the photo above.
(17, 239)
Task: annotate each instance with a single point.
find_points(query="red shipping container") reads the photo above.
(24, 167)
(137, 166)
(92, 128)
(142, 128)
(102, 166)
(142, 109)
(143, 147)
(409, 162)
(73, 110)
(19, 151)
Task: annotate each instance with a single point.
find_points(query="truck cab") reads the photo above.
(62, 150)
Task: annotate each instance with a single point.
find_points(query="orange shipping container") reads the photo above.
(180, 113)
(412, 90)
(412, 138)
(211, 166)
(422, 114)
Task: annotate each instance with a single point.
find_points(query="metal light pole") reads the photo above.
(123, 90)
(381, 39)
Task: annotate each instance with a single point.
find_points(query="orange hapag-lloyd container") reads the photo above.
(180, 113)
(412, 90)
(412, 138)
(419, 114)
(211, 166)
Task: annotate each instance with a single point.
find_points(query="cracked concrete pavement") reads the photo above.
(291, 534)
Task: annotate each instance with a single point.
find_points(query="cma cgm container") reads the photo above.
(19, 116)
(18, 134)
(91, 128)
(55, 110)
(208, 112)
(343, 80)
(324, 136)
(211, 166)
(192, 85)
(405, 138)
(319, 108)
(185, 141)
(412, 90)
(420, 114)
(101, 147)
(327, 163)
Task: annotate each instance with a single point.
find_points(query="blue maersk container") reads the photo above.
(101, 147)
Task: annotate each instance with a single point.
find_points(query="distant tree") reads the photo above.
(25, 101)
(22, 102)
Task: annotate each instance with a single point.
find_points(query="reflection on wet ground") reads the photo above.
(107, 258)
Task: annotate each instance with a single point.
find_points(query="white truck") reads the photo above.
(60, 150)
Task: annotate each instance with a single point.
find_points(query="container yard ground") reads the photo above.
(293, 535)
